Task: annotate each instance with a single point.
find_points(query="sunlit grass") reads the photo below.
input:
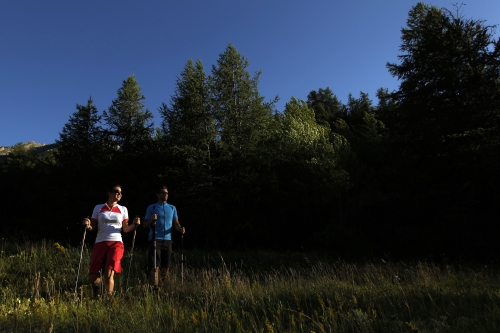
(245, 292)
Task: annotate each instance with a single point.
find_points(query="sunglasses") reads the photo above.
(162, 192)
(117, 191)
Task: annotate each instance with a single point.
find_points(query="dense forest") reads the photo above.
(413, 174)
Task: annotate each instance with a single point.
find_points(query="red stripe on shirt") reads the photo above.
(106, 208)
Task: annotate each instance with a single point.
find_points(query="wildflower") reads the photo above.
(60, 247)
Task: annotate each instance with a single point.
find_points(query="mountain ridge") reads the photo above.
(39, 147)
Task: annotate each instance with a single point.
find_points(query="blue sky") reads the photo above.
(55, 54)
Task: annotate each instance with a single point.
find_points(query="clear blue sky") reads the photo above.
(55, 54)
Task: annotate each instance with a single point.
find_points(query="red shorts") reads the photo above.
(106, 255)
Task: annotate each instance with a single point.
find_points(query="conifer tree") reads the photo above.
(450, 78)
(82, 138)
(446, 123)
(188, 122)
(327, 107)
(242, 117)
(130, 125)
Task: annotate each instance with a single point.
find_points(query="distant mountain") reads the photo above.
(39, 147)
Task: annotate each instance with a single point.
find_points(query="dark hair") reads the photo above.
(161, 188)
(112, 188)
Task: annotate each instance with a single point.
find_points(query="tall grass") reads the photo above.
(246, 292)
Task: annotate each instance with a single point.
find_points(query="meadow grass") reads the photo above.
(245, 292)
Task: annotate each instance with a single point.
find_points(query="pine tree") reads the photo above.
(82, 138)
(129, 124)
(446, 124)
(188, 122)
(450, 78)
(327, 107)
(242, 117)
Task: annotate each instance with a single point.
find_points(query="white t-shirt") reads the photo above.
(109, 222)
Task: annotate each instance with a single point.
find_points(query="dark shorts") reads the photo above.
(106, 255)
(163, 253)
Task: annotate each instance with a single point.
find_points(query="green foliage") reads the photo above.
(409, 175)
(356, 120)
(357, 107)
(361, 139)
(445, 125)
(25, 176)
(387, 110)
(299, 126)
(242, 116)
(188, 124)
(327, 107)
(449, 75)
(129, 124)
(83, 140)
(21, 158)
(363, 124)
(189, 121)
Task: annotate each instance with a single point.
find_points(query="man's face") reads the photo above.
(162, 195)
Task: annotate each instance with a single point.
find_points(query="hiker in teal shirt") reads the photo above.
(160, 218)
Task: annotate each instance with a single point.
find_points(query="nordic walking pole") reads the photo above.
(155, 279)
(182, 259)
(131, 254)
(81, 254)
(155, 282)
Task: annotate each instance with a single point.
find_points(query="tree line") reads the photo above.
(413, 174)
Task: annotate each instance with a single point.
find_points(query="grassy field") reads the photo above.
(246, 292)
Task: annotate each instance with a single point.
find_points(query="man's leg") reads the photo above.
(166, 256)
(153, 270)
(164, 275)
(154, 276)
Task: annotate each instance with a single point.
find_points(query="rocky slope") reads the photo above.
(39, 147)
